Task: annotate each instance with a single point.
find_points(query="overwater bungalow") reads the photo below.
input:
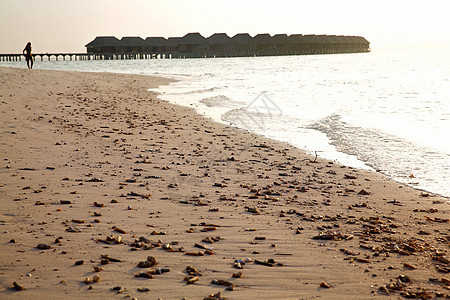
(103, 44)
(172, 44)
(155, 44)
(362, 43)
(295, 44)
(193, 44)
(321, 43)
(242, 45)
(131, 44)
(279, 44)
(346, 42)
(220, 45)
(263, 44)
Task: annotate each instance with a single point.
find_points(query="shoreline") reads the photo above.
(424, 162)
(180, 178)
(366, 166)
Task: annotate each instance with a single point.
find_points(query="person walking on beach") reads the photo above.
(28, 56)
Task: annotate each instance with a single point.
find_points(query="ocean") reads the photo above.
(387, 110)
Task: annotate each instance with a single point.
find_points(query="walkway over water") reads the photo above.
(165, 55)
(76, 56)
(96, 56)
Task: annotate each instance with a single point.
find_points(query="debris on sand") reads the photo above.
(17, 286)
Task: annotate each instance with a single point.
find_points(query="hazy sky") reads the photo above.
(66, 26)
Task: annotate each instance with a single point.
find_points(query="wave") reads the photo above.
(245, 119)
(258, 120)
(221, 101)
(184, 91)
(202, 91)
(403, 160)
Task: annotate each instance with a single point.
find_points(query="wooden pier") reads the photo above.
(47, 56)
(83, 56)
(194, 45)
(96, 56)
(162, 55)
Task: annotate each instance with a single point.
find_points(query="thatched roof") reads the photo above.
(332, 39)
(155, 41)
(193, 38)
(103, 41)
(353, 39)
(173, 41)
(279, 38)
(262, 38)
(295, 38)
(309, 38)
(343, 39)
(323, 39)
(362, 40)
(242, 38)
(219, 38)
(340, 39)
(132, 41)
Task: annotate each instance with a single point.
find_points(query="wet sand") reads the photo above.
(107, 178)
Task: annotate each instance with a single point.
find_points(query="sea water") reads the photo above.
(388, 110)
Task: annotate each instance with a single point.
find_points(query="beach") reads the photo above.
(101, 178)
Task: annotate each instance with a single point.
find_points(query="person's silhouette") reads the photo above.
(28, 56)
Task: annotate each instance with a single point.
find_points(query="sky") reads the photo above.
(68, 25)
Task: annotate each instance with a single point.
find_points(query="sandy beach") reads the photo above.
(109, 192)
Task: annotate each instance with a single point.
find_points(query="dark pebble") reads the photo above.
(43, 246)
(17, 286)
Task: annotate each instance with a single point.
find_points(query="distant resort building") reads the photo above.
(217, 45)
(221, 45)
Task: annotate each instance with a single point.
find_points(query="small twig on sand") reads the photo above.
(315, 158)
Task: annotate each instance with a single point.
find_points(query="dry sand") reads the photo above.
(159, 180)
